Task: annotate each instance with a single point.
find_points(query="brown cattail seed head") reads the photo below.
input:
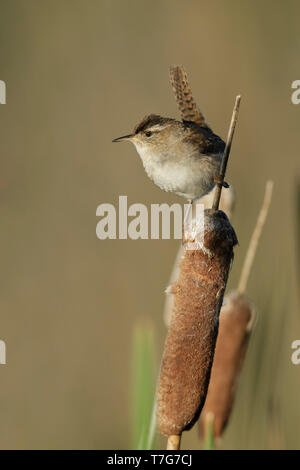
(191, 338)
(226, 205)
(236, 320)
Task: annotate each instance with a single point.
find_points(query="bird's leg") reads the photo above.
(186, 215)
(219, 180)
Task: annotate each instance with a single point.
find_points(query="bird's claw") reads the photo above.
(219, 180)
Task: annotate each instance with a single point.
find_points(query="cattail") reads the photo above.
(190, 343)
(236, 320)
(199, 291)
(226, 205)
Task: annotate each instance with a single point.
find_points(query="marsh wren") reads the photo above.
(182, 157)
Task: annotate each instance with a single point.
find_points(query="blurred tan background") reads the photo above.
(78, 74)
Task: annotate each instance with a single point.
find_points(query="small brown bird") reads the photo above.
(182, 157)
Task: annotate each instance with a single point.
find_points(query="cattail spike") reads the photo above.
(236, 322)
(190, 344)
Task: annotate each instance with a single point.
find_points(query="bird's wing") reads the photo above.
(203, 139)
(184, 98)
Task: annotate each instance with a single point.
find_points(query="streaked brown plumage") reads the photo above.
(202, 137)
(184, 97)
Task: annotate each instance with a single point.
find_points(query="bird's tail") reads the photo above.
(184, 98)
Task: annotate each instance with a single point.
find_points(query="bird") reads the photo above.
(181, 157)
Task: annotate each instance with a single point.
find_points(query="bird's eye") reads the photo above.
(148, 133)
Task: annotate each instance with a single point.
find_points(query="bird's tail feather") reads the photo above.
(184, 98)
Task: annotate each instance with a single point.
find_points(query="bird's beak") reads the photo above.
(124, 137)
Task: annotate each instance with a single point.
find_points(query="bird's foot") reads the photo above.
(186, 218)
(219, 180)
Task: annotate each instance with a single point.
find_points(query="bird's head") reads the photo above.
(154, 135)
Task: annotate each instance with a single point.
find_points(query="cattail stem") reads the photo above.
(221, 176)
(173, 442)
(255, 237)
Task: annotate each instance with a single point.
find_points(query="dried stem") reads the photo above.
(221, 176)
(255, 237)
(174, 442)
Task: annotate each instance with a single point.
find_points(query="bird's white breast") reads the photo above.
(186, 178)
(167, 175)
